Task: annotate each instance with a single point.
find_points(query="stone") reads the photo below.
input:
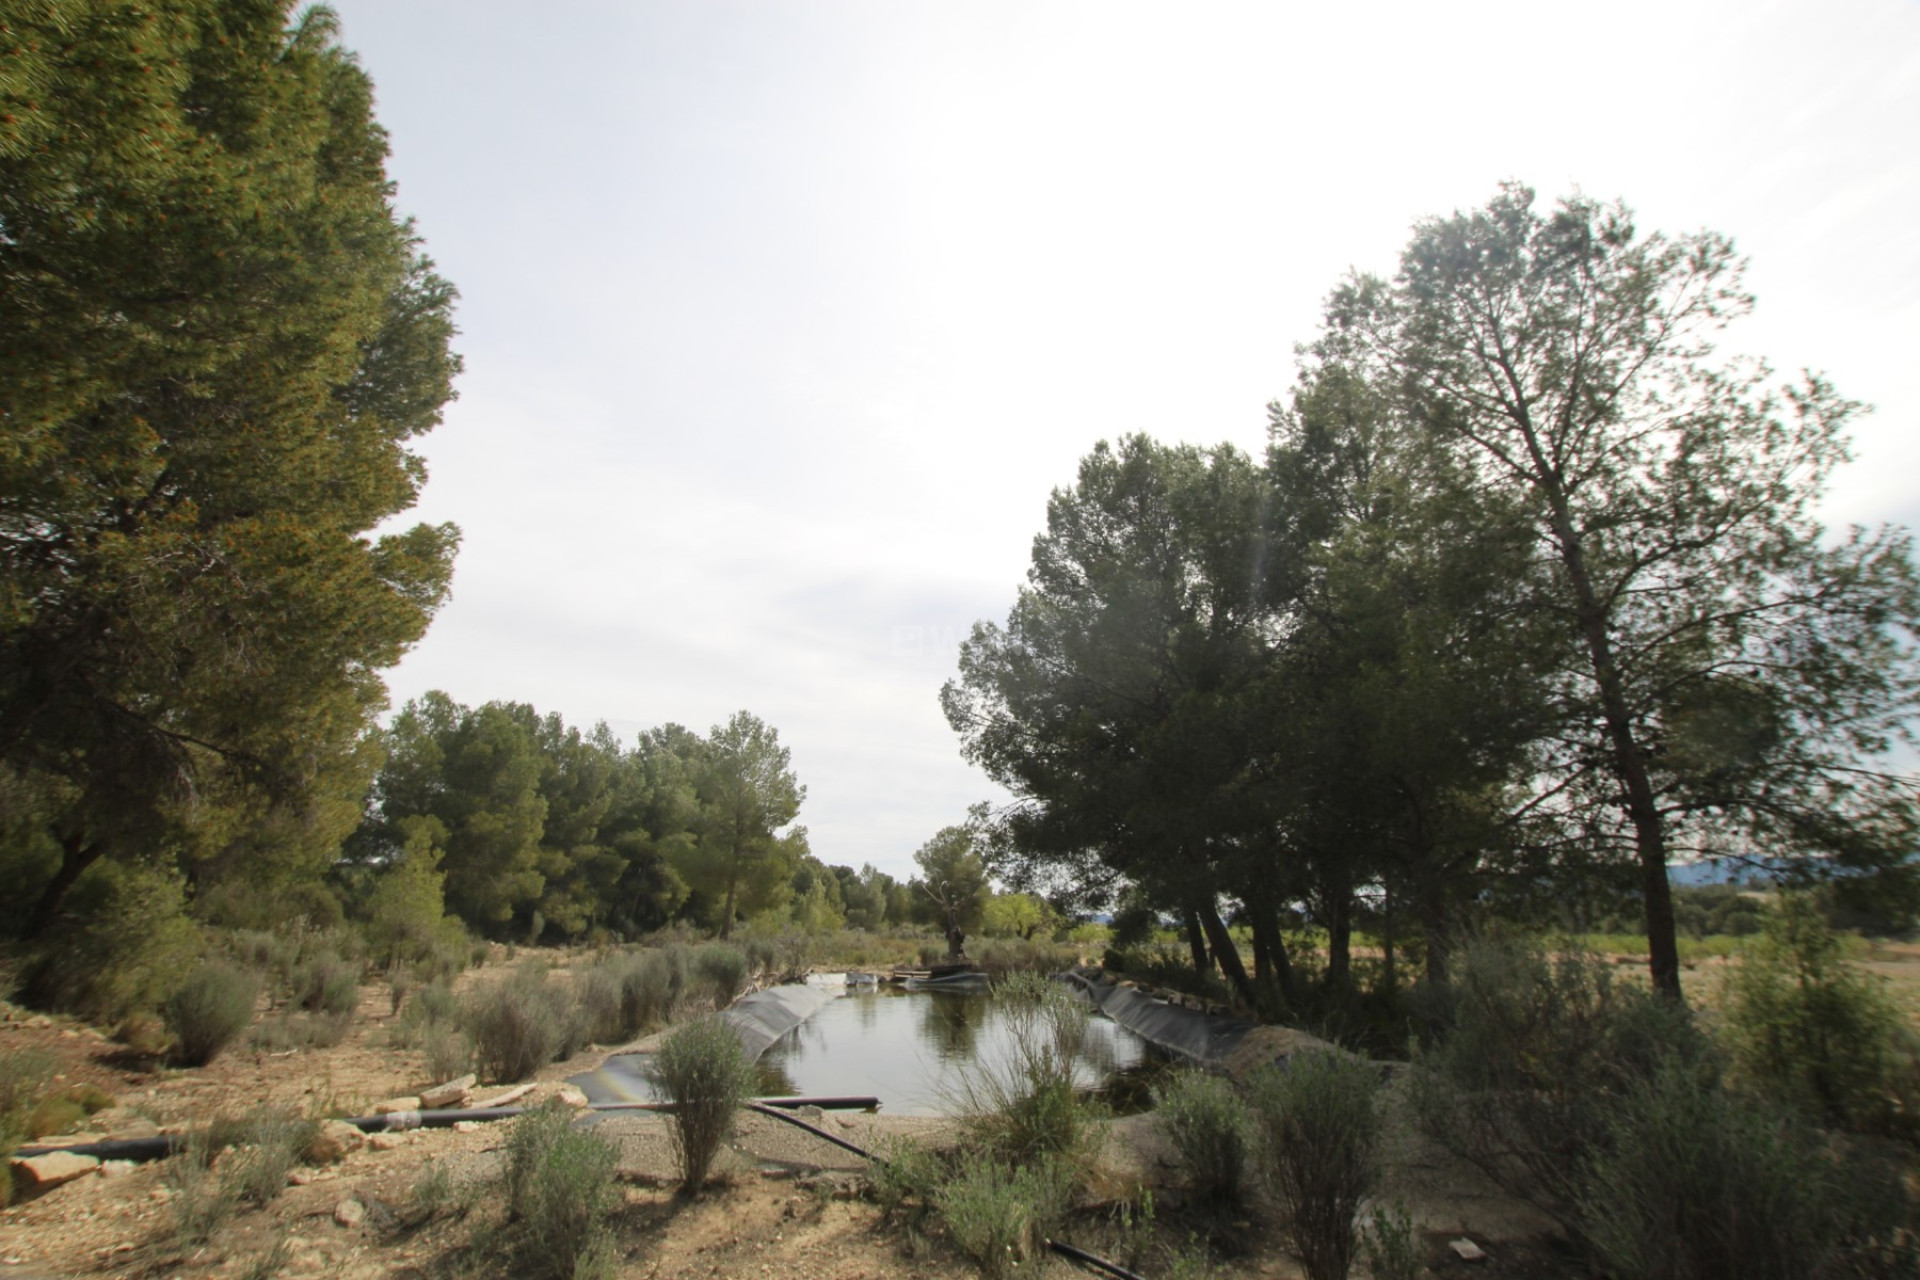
(451, 1094)
(38, 1173)
(1466, 1250)
(385, 1141)
(116, 1168)
(299, 1178)
(466, 1126)
(334, 1141)
(349, 1213)
(393, 1106)
(511, 1096)
(571, 1096)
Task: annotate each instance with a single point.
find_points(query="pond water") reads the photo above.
(910, 1049)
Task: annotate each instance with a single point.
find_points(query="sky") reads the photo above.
(781, 320)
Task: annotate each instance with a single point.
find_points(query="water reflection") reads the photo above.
(911, 1048)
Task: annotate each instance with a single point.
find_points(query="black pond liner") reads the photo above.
(1201, 1038)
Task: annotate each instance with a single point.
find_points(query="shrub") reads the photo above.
(722, 970)
(645, 993)
(23, 1074)
(209, 1011)
(598, 992)
(1519, 1085)
(1391, 1245)
(905, 1180)
(1001, 1217)
(1321, 1126)
(327, 984)
(202, 1200)
(1697, 1182)
(449, 1052)
(519, 1025)
(702, 1071)
(1027, 1108)
(1212, 1129)
(560, 1189)
(124, 936)
(271, 1142)
(1808, 1028)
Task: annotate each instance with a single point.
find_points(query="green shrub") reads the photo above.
(270, 1141)
(1027, 1107)
(520, 1025)
(1213, 1131)
(1520, 1082)
(1000, 1216)
(560, 1189)
(327, 984)
(23, 1074)
(722, 972)
(202, 1200)
(1391, 1244)
(905, 1179)
(123, 937)
(209, 1011)
(1697, 1182)
(703, 1072)
(1807, 1027)
(1322, 1124)
(449, 1053)
(645, 993)
(597, 989)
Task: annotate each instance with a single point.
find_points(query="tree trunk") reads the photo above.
(726, 915)
(1340, 943)
(1197, 944)
(1272, 972)
(1629, 762)
(956, 944)
(76, 855)
(1227, 955)
(1432, 908)
(1386, 938)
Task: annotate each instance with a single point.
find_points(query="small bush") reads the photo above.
(23, 1074)
(598, 992)
(560, 1189)
(1697, 1182)
(645, 993)
(202, 1200)
(449, 1052)
(1520, 1084)
(722, 972)
(1807, 1027)
(124, 937)
(271, 1140)
(209, 1011)
(327, 984)
(905, 1180)
(1002, 1217)
(1321, 1126)
(1027, 1108)
(520, 1025)
(1392, 1245)
(1212, 1128)
(702, 1071)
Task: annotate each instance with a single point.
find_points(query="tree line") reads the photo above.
(1525, 601)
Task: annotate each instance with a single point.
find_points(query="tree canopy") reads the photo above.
(1529, 583)
(219, 339)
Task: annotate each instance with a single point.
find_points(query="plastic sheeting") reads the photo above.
(757, 1019)
(1199, 1037)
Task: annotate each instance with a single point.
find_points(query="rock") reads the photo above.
(334, 1141)
(571, 1096)
(451, 1094)
(466, 1126)
(393, 1106)
(38, 1173)
(509, 1097)
(115, 1168)
(349, 1213)
(385, 1141)
(811, 1114)
(1466, 1250)
(299, 1178)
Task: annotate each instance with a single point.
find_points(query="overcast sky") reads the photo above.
(781, 319)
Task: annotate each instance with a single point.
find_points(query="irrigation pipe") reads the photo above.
(1070, 1252)
(164, 1145)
